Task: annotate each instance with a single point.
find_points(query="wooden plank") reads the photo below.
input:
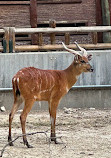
(23, 38)
(2, 31)
(6, 40)
(1, 49)
(60, 47)
(14, 2)
(110, 10)
(12, 40)
(63, 29)
(59, 1)
(33, 20)
(99, 19)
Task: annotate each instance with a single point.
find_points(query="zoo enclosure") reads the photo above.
(10, 34)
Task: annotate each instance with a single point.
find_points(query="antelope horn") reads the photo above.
(71, 50)
(82, 49)
(84, 56)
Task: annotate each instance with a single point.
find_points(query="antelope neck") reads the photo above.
(72, 73)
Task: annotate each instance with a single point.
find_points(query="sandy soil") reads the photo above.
(85, 134)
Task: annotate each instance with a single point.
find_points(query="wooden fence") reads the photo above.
(4, 33)
(9, 39)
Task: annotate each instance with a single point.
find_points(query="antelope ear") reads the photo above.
(90, 57)
(80, 58)
(77, 58)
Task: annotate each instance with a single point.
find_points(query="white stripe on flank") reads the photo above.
(17, 80)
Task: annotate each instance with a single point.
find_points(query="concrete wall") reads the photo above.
(76, 98)
(11, 63)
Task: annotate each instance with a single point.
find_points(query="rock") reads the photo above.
(68, 110)
(19, 111)
(82, 152)
(92, 108)
(90, 154)
(2, 108)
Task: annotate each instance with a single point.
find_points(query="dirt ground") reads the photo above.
(84, 133)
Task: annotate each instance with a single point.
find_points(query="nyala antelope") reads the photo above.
(31, 84)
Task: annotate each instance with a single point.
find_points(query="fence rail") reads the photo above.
(9, 38)
(63, 29)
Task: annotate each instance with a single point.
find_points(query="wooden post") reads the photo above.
(12, 40)
(99, 19)
(94, 37)
(67, 38)
(40, 39)
(33, 20)
(106, 20)
(52, 24)
(6, 40)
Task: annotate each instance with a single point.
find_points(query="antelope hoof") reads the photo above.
(55, 140)
(27, 144)
(10, 141)
(11, 144)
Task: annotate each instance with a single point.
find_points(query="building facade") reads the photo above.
(65, 13)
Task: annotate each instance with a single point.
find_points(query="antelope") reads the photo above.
(31, 84)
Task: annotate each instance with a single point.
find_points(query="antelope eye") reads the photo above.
(82, 61)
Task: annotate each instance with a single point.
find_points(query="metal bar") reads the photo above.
(91, 87)
(73, 87)
(6, 89)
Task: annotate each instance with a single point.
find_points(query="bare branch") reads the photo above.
(28, 134)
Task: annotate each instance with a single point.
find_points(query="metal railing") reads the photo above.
(73, 87)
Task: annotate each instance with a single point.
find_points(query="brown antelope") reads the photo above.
(31, 84)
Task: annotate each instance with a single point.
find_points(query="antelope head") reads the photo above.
(81, 60)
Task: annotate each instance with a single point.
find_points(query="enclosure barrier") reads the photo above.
(9, 44)
(52, 32)
(94, 87)
(5, 40)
